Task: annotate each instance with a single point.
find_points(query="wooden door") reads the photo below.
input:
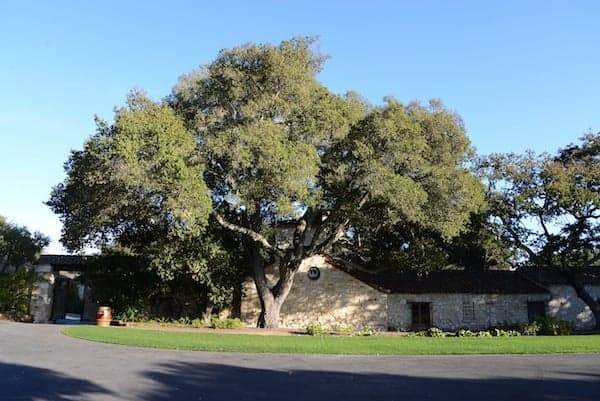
(59, 303)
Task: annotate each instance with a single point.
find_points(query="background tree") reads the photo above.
(192, 281)
(18, 246)
(18, 250)
(481, 246)
(548, 208)
(410, 247)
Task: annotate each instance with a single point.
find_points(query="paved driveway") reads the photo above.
(38, 363)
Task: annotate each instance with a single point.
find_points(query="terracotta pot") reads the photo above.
(103, 316)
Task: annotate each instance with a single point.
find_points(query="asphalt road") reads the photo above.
(38, 363)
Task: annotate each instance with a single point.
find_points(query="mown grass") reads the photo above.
(375, 345)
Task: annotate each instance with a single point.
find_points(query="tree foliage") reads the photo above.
(406, 167)
(547, 208)
(281, 149)
(256, 142)
(18, 246)
(138, 185)
(134, 179)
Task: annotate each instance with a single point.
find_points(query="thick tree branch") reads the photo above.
(349, 265)
(337, 233)
(286, 279)
(518, 242)
(543, 224)
(333, 237)
(299, 235)
(251, 234)
(5, 264)
(582, 293)
(321, 220)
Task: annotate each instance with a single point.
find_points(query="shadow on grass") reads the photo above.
(201, 381)
(27, 383)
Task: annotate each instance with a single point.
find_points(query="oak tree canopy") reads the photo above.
(253, 142)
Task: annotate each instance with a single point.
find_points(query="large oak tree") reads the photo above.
(255, 143)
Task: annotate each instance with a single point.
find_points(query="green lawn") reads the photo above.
(376, 345)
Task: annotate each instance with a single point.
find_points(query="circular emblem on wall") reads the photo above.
(314, 273)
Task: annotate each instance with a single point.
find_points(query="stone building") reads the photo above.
(326, 294)
(330, 295)
(564, 303)
(61, 292)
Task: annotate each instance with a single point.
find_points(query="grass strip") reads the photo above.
(375, 345)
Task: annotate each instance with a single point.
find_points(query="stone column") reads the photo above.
(42, 296)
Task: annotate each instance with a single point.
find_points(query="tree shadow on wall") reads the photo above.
(207, 382)
(27, 383)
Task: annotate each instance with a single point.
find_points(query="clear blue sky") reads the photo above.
(523, 74)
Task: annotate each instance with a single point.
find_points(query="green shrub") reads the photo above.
(158, 320)
(200, 323)
(130, 314)
(367, 331)
(531, 329)
(15, 292)
(343, 330)
(508, 326)
(315, 329)
(550, 326)
(217, 323)
(494, 332)
(435, 332)
(465, 333)
(431, 332)
(505, 333)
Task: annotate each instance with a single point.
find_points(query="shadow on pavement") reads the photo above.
(209, 381)
(20, 382)
(199, 381)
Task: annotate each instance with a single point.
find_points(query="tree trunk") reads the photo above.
(236, 303)
(269, 316)
(286, 260)
(207, 312)
(271, 298)
(582, 293)
(5, 264)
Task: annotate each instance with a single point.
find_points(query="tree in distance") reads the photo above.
(18, 246)
(547, 209)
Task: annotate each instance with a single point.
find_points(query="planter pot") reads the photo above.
(103, 316)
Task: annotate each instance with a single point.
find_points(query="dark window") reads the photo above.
(421, 314)
(468, 311)
(536, 309)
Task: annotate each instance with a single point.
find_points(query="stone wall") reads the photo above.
(448, 310)
(337, 298)
(334, 299)
(42, 297)
(566, 305)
